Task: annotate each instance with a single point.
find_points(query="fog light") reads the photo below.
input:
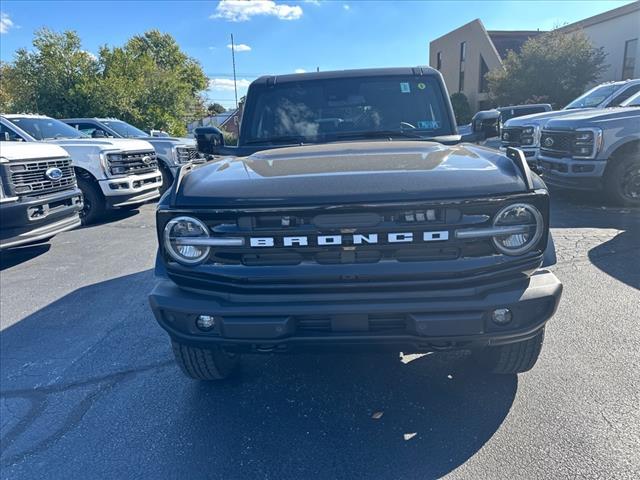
(501, 316)
(206, 322)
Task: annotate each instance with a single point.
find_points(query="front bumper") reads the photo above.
(131, 190)
(428, 322)
(30, 220)
(572, 174)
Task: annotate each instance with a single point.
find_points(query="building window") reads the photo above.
(463, 56)
(483, 87)
(439, 60)
(629, 62)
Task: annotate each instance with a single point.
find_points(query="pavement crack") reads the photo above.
(38, 398)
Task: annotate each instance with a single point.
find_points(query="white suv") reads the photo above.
(111, 172)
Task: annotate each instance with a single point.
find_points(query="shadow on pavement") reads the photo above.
(99, 376)
(15, 256)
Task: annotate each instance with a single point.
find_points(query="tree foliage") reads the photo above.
(554, 67)
(148, 82)
(215, 108)
(461, 108)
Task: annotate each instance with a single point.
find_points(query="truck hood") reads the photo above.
(16, 151)
(170, 140)
(541, 118)
(346, 172)
(124, 144)
(595, 117)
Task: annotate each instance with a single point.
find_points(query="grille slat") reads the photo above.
(29, 179)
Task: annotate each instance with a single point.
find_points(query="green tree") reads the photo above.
(55, 78)
(215, 108)
(149, 81)
(554, 67)
(461, 108)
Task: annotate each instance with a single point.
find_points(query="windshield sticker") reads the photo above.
(428, 124)
(421, 86)
(404, 87)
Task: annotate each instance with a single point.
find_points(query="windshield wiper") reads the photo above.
(281, 139)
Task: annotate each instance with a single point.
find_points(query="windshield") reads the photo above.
(594, 97)
(123, 129)
(633, 101)
(46, 128)
(325, 110)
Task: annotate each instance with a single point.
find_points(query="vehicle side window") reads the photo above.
(622, 96)
(89, 128)
(8, 135)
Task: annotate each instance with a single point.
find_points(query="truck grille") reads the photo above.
(510, 136)
(556, 144)
(187, 154)
(30, 178)
(131, 163)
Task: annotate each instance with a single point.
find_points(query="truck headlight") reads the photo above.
(179, 229)
(587, 143)
(113, 164)
(530, 136)
(523, 227)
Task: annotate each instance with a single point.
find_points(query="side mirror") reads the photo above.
(5, 137)
(210, 140)
(98, 134)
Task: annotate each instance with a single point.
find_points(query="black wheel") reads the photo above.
(93, 202)
(622, 179)
(167, 179)
(513, 358)
(205, 364)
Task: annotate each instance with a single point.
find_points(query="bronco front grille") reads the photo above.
(37, 177)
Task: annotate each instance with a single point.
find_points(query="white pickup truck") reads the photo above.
(39, 197)
(112, 173)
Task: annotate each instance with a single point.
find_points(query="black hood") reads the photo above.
(335, 173)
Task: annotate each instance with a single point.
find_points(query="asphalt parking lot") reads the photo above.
(89, 388)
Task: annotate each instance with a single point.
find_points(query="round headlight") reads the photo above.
(178, 233)
(522, 215)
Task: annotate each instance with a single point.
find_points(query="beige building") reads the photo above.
(617, 32)
(467, 53)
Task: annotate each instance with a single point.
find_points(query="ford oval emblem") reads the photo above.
(53, 173)
(548, 142)
(146, 160)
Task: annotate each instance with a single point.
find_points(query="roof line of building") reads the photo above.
(602, 17)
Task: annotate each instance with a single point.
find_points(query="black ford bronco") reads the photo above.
(350, 215)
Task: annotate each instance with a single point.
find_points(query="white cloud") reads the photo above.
(5, 22)
(312, 2)
(243, 10)
(226, 84)
(346, 6)
(300, 70)
(91, 55)
(240, 47)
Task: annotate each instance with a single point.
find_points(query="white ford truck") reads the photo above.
(39, 197)
(112, 173)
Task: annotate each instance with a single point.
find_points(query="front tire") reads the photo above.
(514, 357)
(205, 364)
(167, 179)
(93, 208)
(622, 179)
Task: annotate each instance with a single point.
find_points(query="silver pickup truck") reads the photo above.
(595, 150)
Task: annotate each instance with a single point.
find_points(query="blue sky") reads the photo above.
(283, 36)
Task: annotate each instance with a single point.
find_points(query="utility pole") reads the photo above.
(233, 60)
